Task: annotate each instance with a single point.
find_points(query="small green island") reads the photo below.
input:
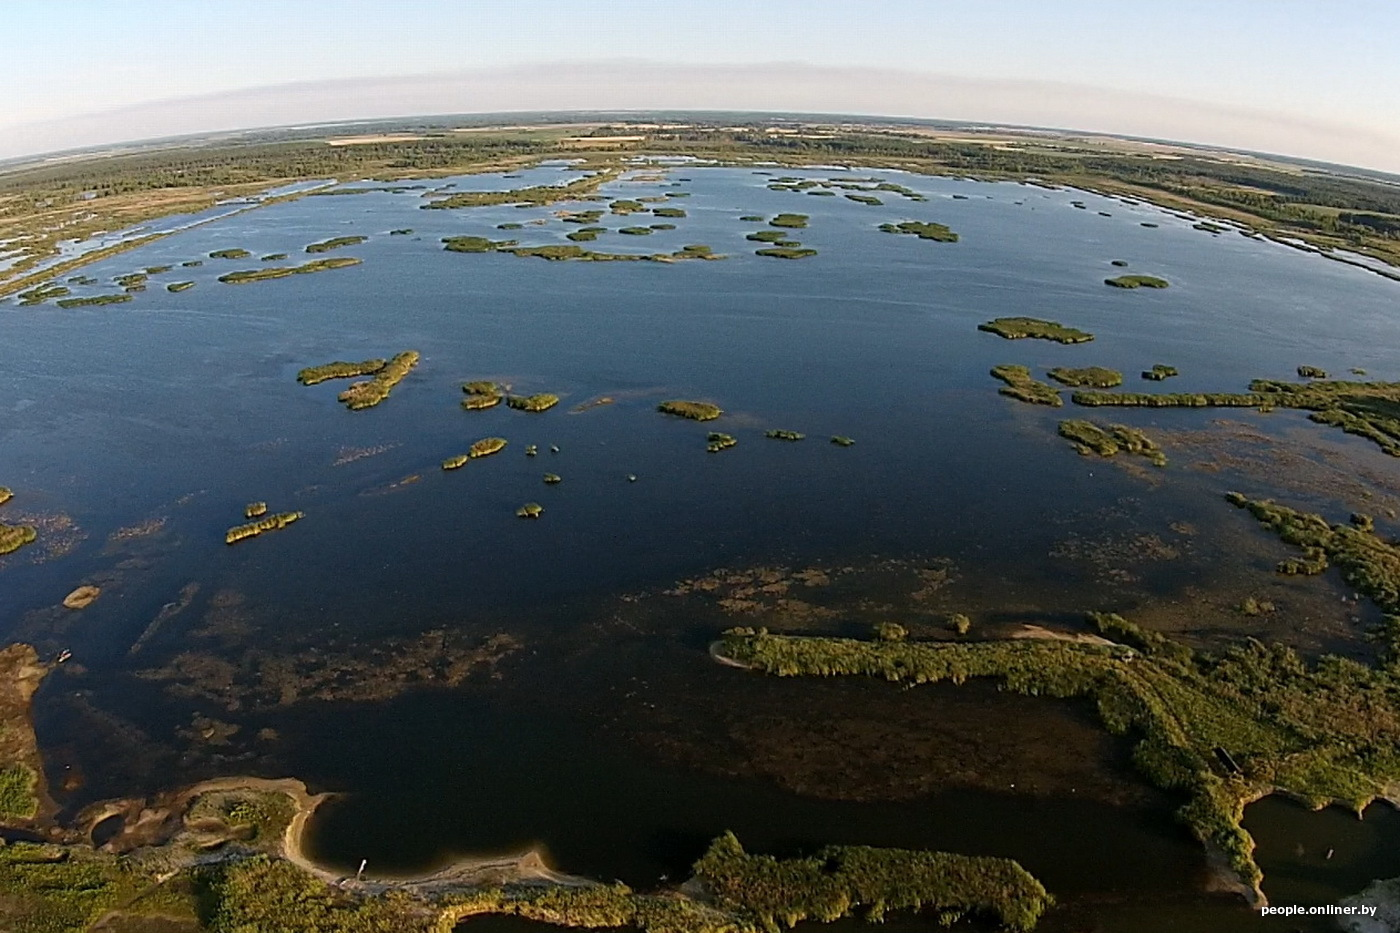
(93, 301)
(790, 221)
(695, 411)
(923, 230)
(782, 435)
(372, 391)
(785, 252)
(482, 394)
(268, 523)
(278, 272)
(717, 441)
(1093, 376)
(486, 447)
(179, 286)
(340, 370)
(1159, 372)
(1137, 281)
(325, 246)
(540, 402)
(235, 253)
(1018, 328)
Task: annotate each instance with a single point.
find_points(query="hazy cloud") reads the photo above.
(642, 85)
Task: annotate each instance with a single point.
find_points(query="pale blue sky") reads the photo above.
(1333, 67)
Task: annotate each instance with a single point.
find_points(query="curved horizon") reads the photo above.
(638, 86)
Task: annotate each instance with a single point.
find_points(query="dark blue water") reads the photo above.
(183, 407)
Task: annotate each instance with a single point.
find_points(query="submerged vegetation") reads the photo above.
(340, 370)
(1366, 561)
(695, 411)
(1137, 281)
(372, 391)
(1016, 328)
(1020, 384)
(268, 523)
(1095, 376)
(1090, 438)
(924, 231)
(277, 272)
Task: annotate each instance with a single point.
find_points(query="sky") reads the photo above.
(1311, 79)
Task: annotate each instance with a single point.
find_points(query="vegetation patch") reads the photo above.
(1158, 372)
(869, 199)
(1137, 281)
(340, 370)
(695, 411)
(1020, 384)
(767, 236)
(785, 252)
(269, 523)
(784, 435)
(18, 800)
(278, 272)
(530, 510)
(255, 510)
(1095, 376)
(179, 286)
(841, 440)
(1017, 328)
(1089, 438)
(635, 231)
(668, 212)
(1311, 372)
(230, 254)
(924, 231)
(790, 221)
(372, 391)
(43, 293)
(626, 206)
(455, 462)
(325, 246)
(718, 442)
(273, 257)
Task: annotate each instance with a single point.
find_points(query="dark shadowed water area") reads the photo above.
(134, 435)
